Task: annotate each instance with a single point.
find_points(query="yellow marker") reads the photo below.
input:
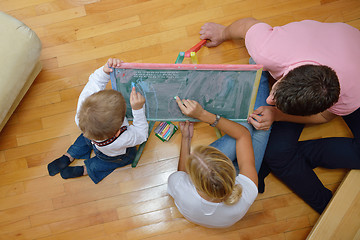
(193, 57)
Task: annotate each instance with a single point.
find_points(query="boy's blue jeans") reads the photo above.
(101, 165)
(227, 144)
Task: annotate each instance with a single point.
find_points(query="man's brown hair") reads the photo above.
(307, 90)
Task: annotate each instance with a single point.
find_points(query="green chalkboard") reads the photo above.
(227, 90)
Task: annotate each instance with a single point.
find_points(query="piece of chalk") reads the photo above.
(132, 84)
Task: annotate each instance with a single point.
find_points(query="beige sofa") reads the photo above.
(20, 50)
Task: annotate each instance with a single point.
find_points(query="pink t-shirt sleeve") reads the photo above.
(262, 45)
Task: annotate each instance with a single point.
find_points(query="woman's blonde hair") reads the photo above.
(102, 114)
(213, 173)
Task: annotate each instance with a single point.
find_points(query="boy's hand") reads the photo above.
(190, 108)
(136, 99)
(112, 62)
(187, 129)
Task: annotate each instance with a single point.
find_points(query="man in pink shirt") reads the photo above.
(315, 66)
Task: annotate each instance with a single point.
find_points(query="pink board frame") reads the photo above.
(223, 67)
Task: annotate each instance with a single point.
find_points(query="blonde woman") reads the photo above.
(215, 185)
(206, 188)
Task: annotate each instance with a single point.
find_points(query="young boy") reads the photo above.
(101, 117)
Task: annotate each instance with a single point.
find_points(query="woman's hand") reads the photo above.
(187, 129)
(190, 108)
(112, 63)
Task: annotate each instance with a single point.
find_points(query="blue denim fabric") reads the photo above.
(101, 165)
(227, 144)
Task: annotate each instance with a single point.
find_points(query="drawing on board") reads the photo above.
(228, 90)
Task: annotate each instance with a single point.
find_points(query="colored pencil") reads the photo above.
(170, 132)
(164, 130)
(167, 130)
(160, 127)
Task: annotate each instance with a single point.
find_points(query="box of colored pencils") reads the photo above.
(165, 130)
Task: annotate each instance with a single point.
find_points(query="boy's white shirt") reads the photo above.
(135, 134)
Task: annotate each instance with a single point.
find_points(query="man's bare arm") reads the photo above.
(217, 33)
(238, 29)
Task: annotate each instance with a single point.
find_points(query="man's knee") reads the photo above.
(277, 154)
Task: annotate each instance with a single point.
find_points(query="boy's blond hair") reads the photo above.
(213, 173)
(102, 114)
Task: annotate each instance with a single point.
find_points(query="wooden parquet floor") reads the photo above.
(78, 36)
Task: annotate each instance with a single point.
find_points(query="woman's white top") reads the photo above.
(209, 214)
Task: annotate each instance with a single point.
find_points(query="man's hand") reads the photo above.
(190, 108)
(213, 32)
(187, 129)
(263, 117)
(112, 62)
(136, 99)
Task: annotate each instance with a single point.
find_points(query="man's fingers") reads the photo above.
(258, 110)
(256, 124)
(256, 117)
(211, 44)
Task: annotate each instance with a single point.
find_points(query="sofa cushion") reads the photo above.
(19, 63)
